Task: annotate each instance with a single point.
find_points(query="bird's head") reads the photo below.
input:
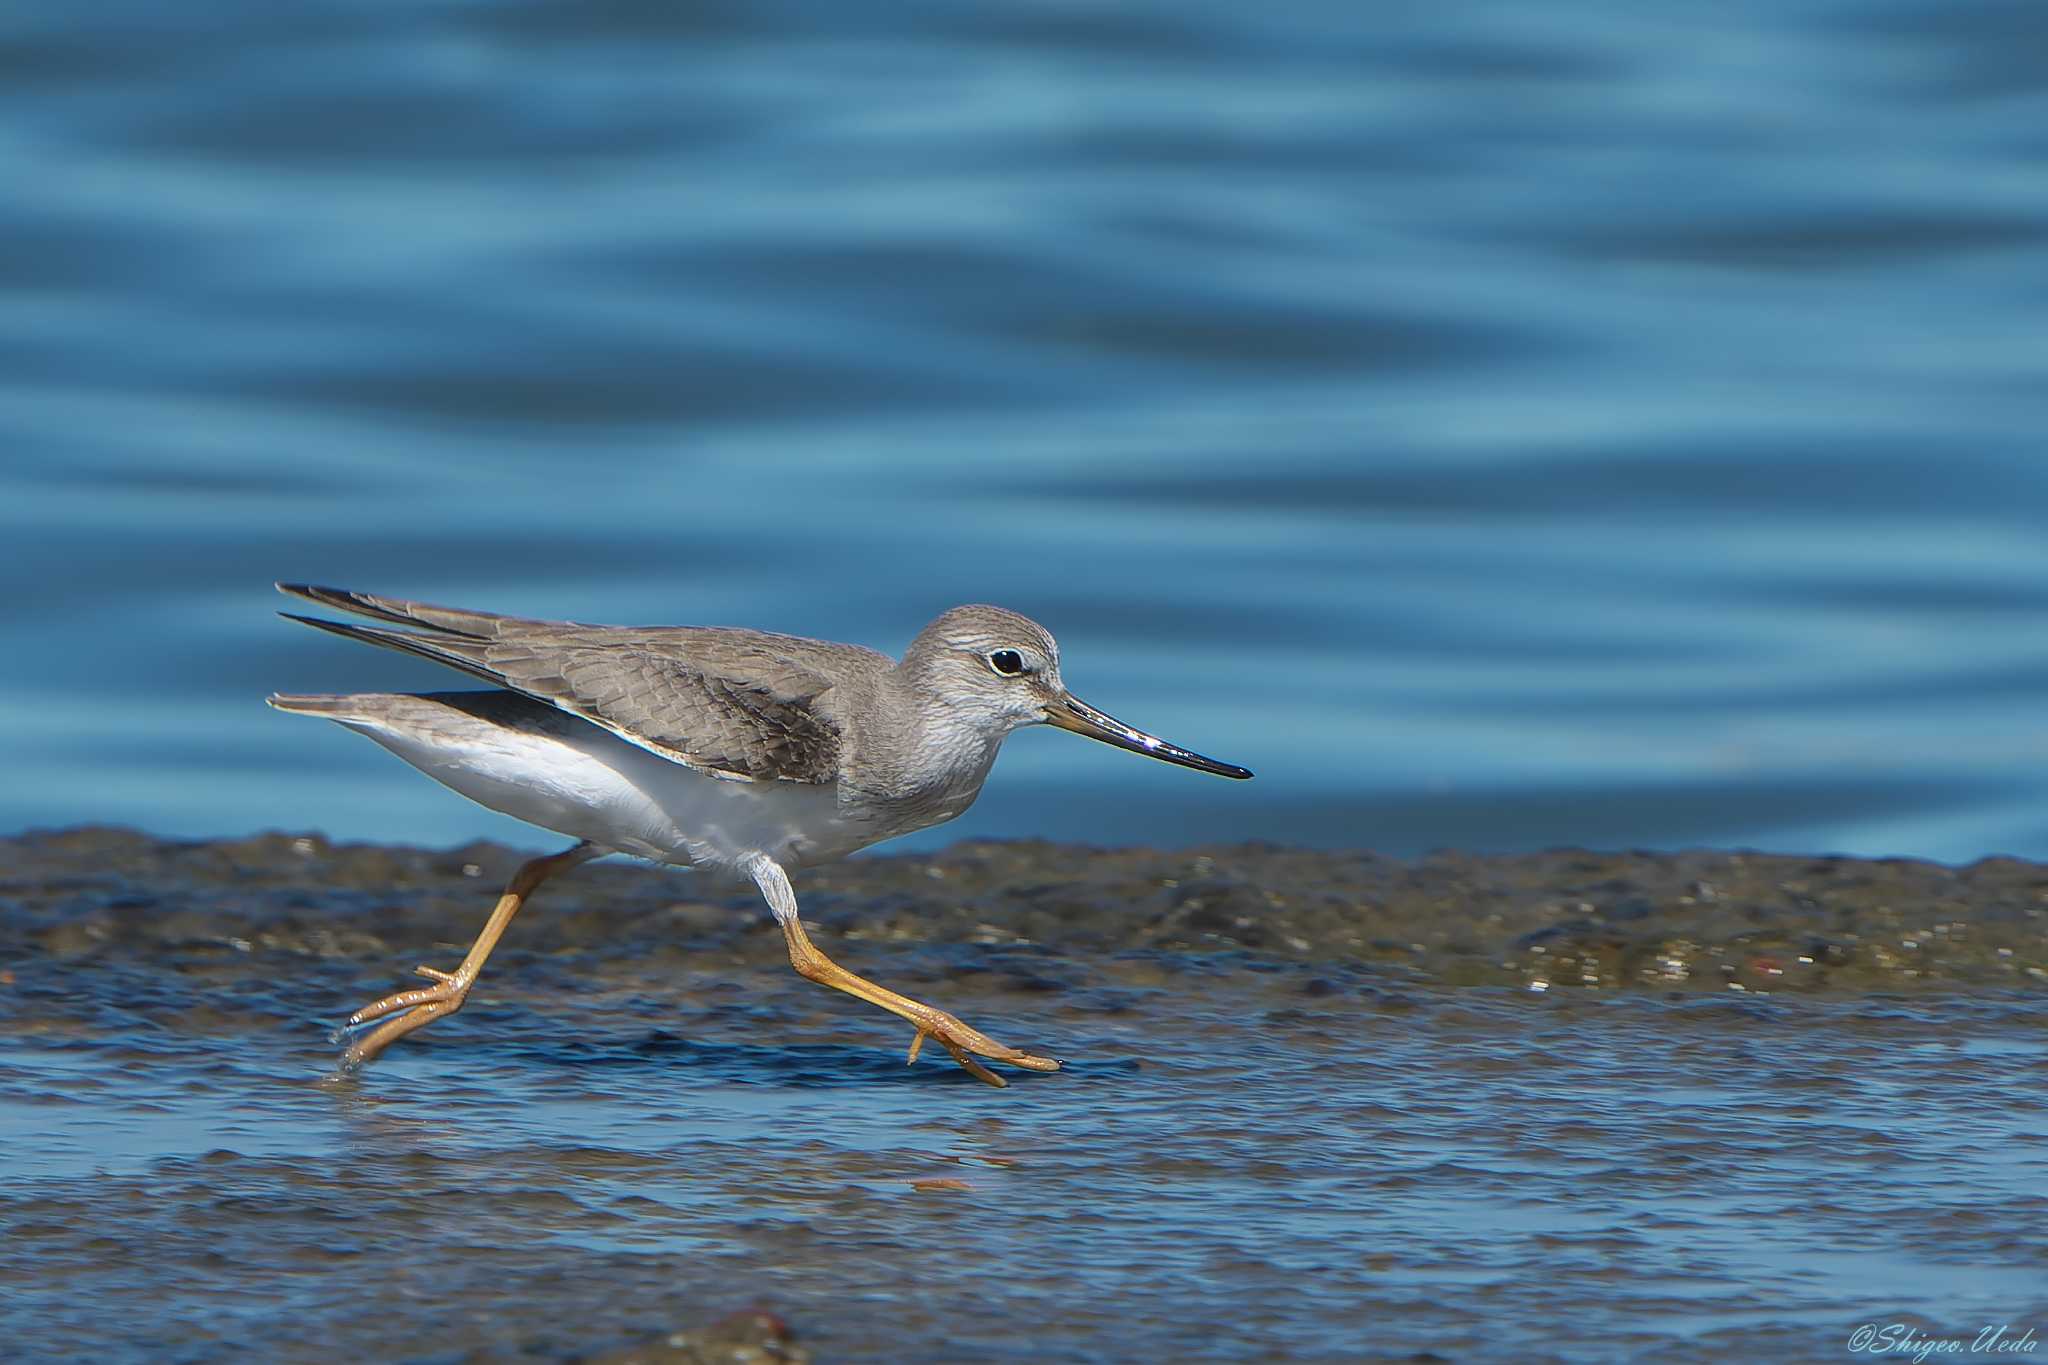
(999, 671)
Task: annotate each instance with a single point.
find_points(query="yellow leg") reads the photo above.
(957, 1038)
(422, 1006)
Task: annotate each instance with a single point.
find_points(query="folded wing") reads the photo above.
(728, 703)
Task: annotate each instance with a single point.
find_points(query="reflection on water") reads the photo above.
(1622, 428)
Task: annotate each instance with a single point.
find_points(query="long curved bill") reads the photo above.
(1071, 713)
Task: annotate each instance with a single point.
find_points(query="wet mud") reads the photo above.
(1316, 1106)
(1569, 918)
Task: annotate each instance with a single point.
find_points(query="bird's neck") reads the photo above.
(934, 761)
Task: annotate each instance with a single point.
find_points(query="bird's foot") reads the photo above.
(957, 1038)
(414, 1009)
(966, 1043)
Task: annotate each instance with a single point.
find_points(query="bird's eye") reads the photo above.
(1007, 662)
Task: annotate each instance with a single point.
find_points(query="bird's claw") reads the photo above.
(963, 1043)
(408, 1010)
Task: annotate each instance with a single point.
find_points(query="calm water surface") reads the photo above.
(1243, 1172)
(1498, 429)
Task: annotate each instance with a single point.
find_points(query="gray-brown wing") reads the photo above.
(729, 703)
(751, 715)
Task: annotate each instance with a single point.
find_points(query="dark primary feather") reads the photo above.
(398, 611)
(731, 703)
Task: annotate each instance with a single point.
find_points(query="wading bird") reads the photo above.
(736, 751)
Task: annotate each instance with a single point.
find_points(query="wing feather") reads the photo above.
(727, 703)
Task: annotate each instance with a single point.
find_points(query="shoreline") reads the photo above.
(648, 1138)
(1567, 919)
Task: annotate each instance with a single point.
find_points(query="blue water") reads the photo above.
(1497, 426)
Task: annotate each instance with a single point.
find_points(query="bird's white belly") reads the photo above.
(590, 784)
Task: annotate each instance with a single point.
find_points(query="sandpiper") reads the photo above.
(736, 751)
